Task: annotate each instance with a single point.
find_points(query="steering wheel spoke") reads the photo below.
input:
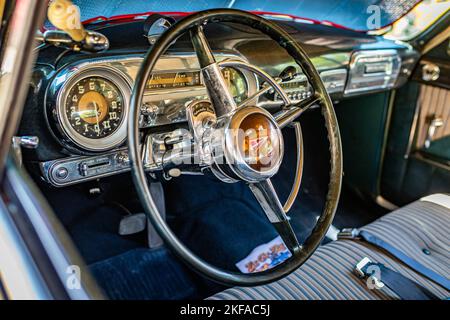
(268, 199)
(287, 115)
(256, 95)
(218, 91)
(201, 47)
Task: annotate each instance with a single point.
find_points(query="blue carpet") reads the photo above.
(143, 274)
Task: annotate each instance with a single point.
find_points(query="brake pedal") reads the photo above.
(132, 224)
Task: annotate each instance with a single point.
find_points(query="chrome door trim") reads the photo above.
(19, 275)
(58, 246)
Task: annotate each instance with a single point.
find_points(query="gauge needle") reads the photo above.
(96, 116)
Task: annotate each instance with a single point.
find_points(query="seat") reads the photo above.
(420, 230)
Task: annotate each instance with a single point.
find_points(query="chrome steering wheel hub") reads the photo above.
(247, 145)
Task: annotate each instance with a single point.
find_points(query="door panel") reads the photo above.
(417, 156)
(433, 127)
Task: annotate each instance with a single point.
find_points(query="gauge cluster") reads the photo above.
(87, 104)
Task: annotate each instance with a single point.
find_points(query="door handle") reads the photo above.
(435, 123)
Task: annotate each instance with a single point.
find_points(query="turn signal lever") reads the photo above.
(64, 15)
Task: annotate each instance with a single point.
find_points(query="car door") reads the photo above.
(432, 136)
(417, 160)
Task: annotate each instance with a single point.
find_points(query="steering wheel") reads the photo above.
(239, 142)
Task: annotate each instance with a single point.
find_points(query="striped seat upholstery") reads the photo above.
(420, 230)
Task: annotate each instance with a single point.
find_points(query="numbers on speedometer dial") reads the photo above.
(94, 107)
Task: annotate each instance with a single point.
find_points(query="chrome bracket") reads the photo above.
(430, 72)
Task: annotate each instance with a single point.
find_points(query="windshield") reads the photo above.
(418, 19)
(360, 15)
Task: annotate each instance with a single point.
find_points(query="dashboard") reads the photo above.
(86, 101)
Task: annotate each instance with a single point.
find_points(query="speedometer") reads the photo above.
(94, 107)
(92, 110)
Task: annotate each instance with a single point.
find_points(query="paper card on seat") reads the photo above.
(265, 256)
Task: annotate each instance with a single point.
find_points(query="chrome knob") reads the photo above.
(123, 158)
(149, 109)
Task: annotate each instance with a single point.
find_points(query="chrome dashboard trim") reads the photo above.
(361, 80)
(126, 67)
(334, 80)
(72, 165)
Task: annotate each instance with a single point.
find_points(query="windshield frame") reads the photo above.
(363, 12)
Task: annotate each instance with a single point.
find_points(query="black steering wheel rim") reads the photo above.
(137, 168)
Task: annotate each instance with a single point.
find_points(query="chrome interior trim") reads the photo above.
(382, 202)
(334, 80)
(257, 71)
(71, 170)
(53, 237)
(224, 145)
(442, 165)
(412, 131)
(221, 98)
(372, 70)
(18, 273)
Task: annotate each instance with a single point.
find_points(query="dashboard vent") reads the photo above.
(372, 70)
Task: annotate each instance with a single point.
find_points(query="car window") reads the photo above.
(418, 19)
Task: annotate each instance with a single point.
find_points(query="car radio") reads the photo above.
(296, 89)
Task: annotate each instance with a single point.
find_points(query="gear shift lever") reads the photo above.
(64, 15)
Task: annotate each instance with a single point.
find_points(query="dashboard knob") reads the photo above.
(149, 109)
(123, 159)
(149, 112)
(62, 173)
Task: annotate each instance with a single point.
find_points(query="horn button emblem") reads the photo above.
(257, 145)
(250, 146)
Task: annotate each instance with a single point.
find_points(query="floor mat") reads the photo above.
(96, 234)
(144, 274)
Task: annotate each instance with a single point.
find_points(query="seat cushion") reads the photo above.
(420, 230)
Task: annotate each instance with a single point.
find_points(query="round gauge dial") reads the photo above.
(94, 107)
(237, 83)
